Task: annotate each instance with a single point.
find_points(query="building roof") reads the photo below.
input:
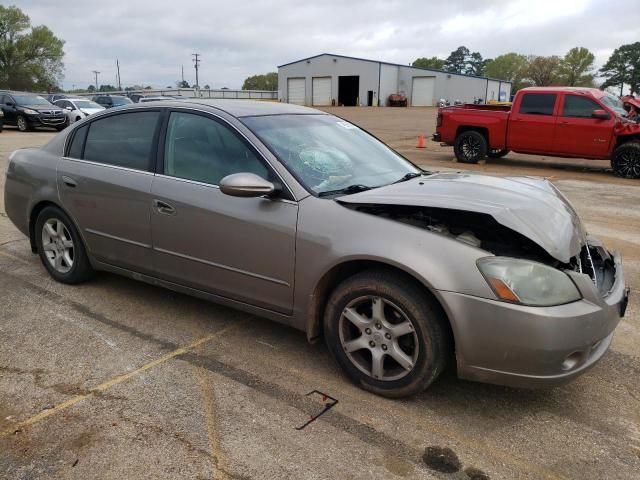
(393, 64)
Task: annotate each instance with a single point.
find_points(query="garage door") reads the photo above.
(422, 91)
(322, 91)
(296, 90)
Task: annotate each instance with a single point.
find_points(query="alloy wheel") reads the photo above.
(378, 338)
(470, 147)
(22, 124)
(628, 164)
(57, 245)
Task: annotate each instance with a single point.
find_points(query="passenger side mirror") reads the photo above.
(10, 104)
(68, 108)
(600, 114)
(246, 184)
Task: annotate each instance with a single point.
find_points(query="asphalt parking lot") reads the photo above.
(119, 379)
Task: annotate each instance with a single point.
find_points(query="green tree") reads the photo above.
(476, 64)
(424, 62)
(510, 67)
(575, 68)
(207, 87)
(268, 81)
(457, 61)
(543, 71)
(623, 67)
(30, 57)
(107, 88)
(91, 88)
(183, 84)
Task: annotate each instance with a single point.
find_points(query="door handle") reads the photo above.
(69, 182)
(164, 208)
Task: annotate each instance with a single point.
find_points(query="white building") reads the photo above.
(328, 79)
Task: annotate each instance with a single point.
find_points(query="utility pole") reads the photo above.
(182, 73)
(196, 63)
(118, 67)
(95, 72)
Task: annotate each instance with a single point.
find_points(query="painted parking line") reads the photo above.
(114, 381)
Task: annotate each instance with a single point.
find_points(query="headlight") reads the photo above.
(28, 111)
(528, 283)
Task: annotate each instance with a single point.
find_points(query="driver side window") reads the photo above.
(205, 150)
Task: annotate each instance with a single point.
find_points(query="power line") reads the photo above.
(196, 62)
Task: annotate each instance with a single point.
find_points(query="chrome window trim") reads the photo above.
(107, 165)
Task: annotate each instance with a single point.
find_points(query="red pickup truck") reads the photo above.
(552, 121)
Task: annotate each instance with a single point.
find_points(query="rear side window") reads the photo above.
(577, 106)
(538, 103)
(124, 140)
(77, 142)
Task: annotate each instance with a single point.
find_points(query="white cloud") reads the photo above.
(153, 38)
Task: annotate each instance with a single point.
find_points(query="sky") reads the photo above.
(152, 39)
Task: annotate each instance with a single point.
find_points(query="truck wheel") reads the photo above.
(626, 160)
(386, 334)
(497, 153)
(470, 147)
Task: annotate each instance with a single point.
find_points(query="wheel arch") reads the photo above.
(622, 139)
(33, 216)
(466, 128)
(339, 272)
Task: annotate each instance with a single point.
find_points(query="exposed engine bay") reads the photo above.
(481, 230)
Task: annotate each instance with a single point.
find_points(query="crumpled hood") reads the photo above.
(530, 206)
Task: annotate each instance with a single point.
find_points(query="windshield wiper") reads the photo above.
(408, 176)
(346, 190)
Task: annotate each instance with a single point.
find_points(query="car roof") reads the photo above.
(241, 108)
(594, 91)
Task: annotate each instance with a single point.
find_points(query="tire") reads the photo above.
(60, 128)
(22, 123)
(497, 153)
(626, 160)
(470, 147)
(63, 254)
(410, 321)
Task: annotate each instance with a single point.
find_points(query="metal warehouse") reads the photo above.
(328, 79)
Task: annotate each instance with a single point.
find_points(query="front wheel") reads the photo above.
(22, 123)
(626, 160)
(470, 147)
(60, 247)
(386, 334)
(497, 153)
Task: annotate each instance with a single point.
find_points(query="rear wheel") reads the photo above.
(470, 147)
(497, 153)
(385, 333)
(60, 247)
(626, 160)
(22, 123)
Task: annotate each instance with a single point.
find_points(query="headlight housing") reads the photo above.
(528, 283)
(28, 111)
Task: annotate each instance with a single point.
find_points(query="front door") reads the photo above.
(532, 126)
(9, 109)
(105, 183)
(239, 248)
(578, 133)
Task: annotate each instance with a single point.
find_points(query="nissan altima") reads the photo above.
(301, 217)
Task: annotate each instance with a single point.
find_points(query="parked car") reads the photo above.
(336, 235)
(108, 101)
(154, 99)
(27, 110)
(52, 97)
(1, 120)
(553, 121)
(78, 108)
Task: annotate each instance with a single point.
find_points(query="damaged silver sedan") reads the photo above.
(301, 217)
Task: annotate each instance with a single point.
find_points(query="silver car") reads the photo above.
(301, 217)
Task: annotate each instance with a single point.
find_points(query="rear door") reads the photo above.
(239, 248)
(578, 133)
(105, 183)
(532, 124)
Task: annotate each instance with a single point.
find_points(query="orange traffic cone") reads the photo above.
(421, 143)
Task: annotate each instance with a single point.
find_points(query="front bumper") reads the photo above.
(42, 120)
(530, 347)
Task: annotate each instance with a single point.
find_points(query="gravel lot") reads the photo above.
(118, 379)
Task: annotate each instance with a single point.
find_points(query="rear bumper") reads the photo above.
(532, 347)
